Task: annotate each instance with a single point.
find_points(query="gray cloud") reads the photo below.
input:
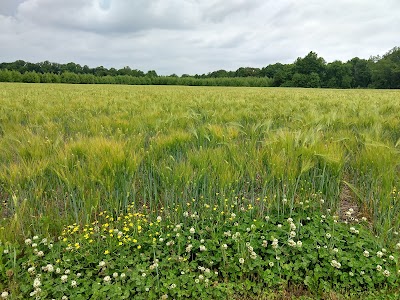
(194, 36)
(9, 7)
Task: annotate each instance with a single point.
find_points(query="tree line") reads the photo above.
(311, 71)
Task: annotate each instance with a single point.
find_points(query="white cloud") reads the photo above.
(194, 36)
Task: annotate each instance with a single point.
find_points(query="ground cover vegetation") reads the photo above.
(121, 192)
(309, 71)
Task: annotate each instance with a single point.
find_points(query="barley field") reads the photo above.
(71, 154)
(67, 151)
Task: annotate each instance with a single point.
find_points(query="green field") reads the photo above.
(70, 152)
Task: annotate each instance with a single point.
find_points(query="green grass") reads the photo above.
(68, 152)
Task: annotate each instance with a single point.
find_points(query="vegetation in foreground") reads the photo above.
(70, 152)
(226, 250)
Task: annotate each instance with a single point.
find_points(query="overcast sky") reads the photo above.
(195, 36)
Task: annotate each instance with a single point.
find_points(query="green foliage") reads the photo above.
(222, 251)
(310, 72)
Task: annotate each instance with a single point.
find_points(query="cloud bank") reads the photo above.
(194, 36)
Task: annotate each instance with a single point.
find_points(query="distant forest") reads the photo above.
(311, 71)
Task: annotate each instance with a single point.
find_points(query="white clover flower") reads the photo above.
(384, 250)
(253, 255)
(186, 214)
(201, 277)
(67, 271)
(115, 275)
(291, 243)
(35, 238)
(58, 270)
(335, 250)
(292, 226)
(36, 283)
(391, 257)
(161, 240)
(351, 274)
(379, 254)
(159, 219)
(271, 264)
(207, 271)
(4, 295)
(250, 248)
(290, 220)
(192, 231)
(227, 233)
(122, 276)
(144, 274)
(172, 286)
(241, 260)
(299, 244)
(189, 248)
(197, 280)
(323, 217)
(264, 243)
(202, 241)
(322, 201)
(379, 268)
(328, 235)
(224, 246)
(34, 245)
(107, 279)
(284, 200)
(64, 278)
(274, 243)
(32, 270)
(74, 284)
(64, 298)
(386, 273)
(49, 268)
(203, 248)
(233, 215)
(279, 225)
(170, 243)
(398, 246)
(266, 218)
(362, 272)
(292, 234)
(335, 264)
(366, 253)
(277, 258)
(28, 242)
